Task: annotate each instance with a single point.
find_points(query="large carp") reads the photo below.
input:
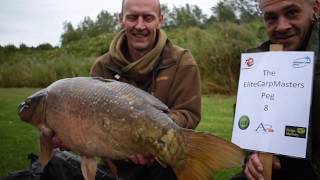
(96, 117)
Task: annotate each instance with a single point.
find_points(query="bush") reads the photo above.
(41, 73)
(217, 50)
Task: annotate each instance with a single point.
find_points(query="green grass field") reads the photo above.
(17, 138)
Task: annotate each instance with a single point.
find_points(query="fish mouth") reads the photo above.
(22, 106)
(23, 111)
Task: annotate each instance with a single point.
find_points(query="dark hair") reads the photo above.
(157, 1)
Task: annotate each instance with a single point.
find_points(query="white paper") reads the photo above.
(273, 102)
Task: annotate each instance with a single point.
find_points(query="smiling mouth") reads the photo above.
(139, 35)
(284, 36)
(284, 39)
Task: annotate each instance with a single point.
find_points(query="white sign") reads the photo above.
(273, 102)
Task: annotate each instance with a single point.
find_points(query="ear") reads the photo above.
(120, 20)
(316, 7)
(161, 18)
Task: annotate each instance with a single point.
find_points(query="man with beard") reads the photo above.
(295, 25)
(142, 55)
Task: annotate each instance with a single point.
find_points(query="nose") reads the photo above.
(140, 23)
(283, 24)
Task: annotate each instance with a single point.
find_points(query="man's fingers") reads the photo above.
(141, 159)
(253, 171)
(276, 163)
(134, 159)
(248, 174)
(254, 168)
(256, 163)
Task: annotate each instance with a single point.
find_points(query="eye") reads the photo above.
(148, 18)
(131, 17)
(270, 18)
(292, 13)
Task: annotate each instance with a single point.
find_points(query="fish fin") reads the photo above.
(112, 167)
(46, 146)
(88, 168)
(103, 79)
(207, 153)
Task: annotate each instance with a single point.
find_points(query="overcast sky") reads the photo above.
(33, 22)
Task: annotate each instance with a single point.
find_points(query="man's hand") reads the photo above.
(254, 167)
(57, 143)
(140, 159)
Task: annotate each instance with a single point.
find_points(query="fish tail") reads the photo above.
(207, 153)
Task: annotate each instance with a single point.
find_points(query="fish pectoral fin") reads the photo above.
(46, 148)
(88, 167)
(112, 167)
(103, 79)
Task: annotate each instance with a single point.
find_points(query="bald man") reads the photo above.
(142, 55)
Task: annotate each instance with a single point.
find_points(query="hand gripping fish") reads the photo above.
(96, 117)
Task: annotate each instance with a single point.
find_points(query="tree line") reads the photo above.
(216, 42)
(238, 11)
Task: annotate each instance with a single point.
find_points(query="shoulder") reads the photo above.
(263, 47)
(178, 55)
(100, 64)
(103, 59)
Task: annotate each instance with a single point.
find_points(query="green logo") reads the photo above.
(244, 122)
(294, 131)
(301, 130)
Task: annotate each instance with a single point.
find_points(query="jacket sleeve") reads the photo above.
(185, 93)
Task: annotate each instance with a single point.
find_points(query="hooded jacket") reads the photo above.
(174, 79)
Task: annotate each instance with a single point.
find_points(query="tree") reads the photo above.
(198, 16)
(168, 17)
(70, 34)
(10, 48)
(105, 22)
(224, 12)
(86, 24)
(187, 16)
(23, 46)
(86, 27)
(249, 9)
(44, 46)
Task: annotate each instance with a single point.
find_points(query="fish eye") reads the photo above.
(27, 102)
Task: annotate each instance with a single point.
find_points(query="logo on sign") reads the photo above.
(244, 122)
(301, 62)
(294, 131)
(264, 128)
(249, 62)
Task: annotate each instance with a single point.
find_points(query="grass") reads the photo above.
(17, 138)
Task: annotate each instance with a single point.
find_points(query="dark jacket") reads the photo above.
(313, 155)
